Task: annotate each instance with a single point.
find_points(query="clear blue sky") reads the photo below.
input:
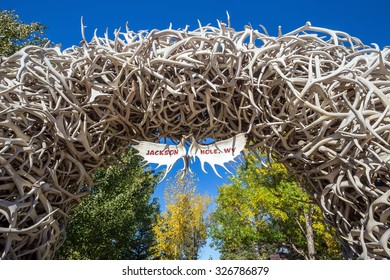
(367, 20)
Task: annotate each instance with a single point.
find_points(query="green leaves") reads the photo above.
(14, 34)
(263, 210)
(115, 221)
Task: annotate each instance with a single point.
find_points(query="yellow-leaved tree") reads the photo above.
(181, 230)
(264, 211)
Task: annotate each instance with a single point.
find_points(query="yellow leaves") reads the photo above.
(183, 222)
(318, 227)
(162, 235)
(265, 203)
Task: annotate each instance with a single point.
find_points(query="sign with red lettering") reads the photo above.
(161, 154)
(217, 153)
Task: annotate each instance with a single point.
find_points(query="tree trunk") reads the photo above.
(310, 233)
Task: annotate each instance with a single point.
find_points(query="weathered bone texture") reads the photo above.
(317, 100)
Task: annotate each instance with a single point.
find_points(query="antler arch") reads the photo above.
(317, 99)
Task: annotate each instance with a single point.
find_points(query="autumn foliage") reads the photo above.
(263, 212)
(180, 231)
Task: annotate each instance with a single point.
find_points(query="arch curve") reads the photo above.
(318, 100)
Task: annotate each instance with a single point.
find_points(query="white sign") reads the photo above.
(161, 154)
(217, 153)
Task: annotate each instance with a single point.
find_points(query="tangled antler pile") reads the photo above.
(318, 100)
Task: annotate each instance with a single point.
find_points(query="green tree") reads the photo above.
(14, 34)
(181, 231)
(262, 211)
(115, 221)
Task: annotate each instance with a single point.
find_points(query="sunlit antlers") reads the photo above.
(316, 99)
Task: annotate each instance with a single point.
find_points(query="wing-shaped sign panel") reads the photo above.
(161, 154)
(218, 153)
